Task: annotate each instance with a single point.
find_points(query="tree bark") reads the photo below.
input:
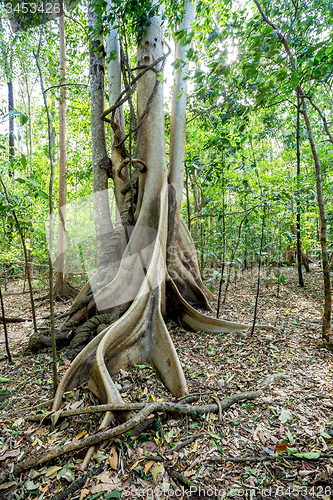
(178, 112)
(115, 87)
(298, 203)
(102, 218)
(11, 127)
(61, 288)
(323, 224)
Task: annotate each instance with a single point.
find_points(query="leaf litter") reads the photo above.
(293, 418)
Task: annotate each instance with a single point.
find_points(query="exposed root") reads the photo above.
(64, 291)
(139, 337)
(197, 322)
(135, 420)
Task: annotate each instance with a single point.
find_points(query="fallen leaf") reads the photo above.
(104, 477)
(75, 405)
(157, 471)
(84, 493)
(113, 459)
(285, 415)
(195, 446)
(10, 453)
(148, 466)
(6, 486)
(30, 486)
(281, 447)
(18, 422)
(55, 416)
(81, 435)
(42, 489)
(100, 456)
(52, 470)
(150, 446)
(67, 474)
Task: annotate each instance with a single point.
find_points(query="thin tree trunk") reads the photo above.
(60, 284)
(188, 204)
(223, 242)
(320, 199)
(102, 217)
(259, 267)
(298, 203)
(49, 130)
(11, 127)
(5, 328)
(26, 260)
(178, 112)
(323, 224)
(115, 87)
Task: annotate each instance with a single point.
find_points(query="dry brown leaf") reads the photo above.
(83, 493)
(189, 473)
(148, 465)
(113, 459)
(45, 488)
(195, 446)
(6, 486)
(281, 447)
(10, 454)
(104, 477)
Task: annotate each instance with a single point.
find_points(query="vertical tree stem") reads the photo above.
(26, 260)
(298, 203)
(259, 266)
(5, 328)
(53, 337)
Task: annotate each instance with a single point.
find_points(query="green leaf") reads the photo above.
(23, 118)
(4, 379)
(282, 279)
(23, 161)
(233, 422)
(290, 436)
(325, 435)
(310, 455)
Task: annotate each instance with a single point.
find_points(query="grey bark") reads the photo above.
(102, 218)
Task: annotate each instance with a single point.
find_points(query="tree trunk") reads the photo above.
(102, 218)
(178, 112)
(62, 289)
(323, 224)
(118, 317)
(298, 203)
(11, 127)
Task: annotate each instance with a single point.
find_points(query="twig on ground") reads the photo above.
(218, 402)
(79, 483)
(145, 410)
(273, 459)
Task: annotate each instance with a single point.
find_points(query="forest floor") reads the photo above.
(293, 415)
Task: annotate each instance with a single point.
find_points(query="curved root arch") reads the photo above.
(139, 336)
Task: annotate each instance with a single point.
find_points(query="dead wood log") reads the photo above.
(15, 320)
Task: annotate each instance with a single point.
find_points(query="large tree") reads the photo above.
(149, 268)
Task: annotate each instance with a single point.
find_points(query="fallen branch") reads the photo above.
(273, 459)
(15, 320)
(145, 410)
(184, 443)
(79, 483)
(159, 406)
